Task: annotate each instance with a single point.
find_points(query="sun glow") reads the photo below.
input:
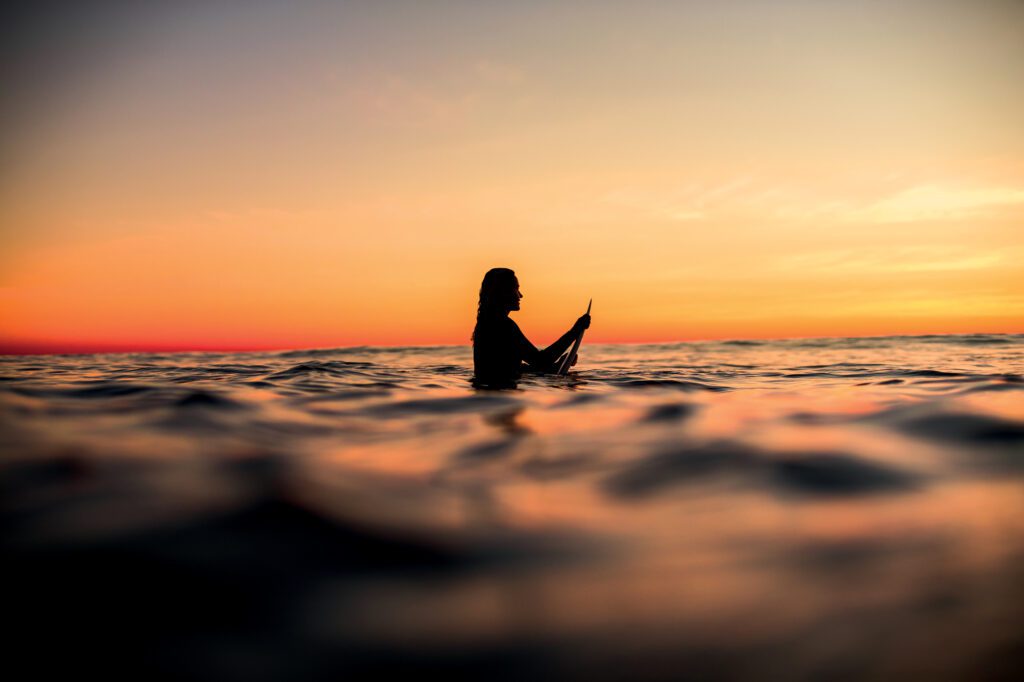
(344, 176)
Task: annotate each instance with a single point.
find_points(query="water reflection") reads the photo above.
(507, 421)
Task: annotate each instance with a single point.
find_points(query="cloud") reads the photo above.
(496, 72)
(931, 202)
(743, 195)
(692, 202)
(436, 98)
(875, 261)
(395, 99)
(685, 215)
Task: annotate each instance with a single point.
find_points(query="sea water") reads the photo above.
(802, 509)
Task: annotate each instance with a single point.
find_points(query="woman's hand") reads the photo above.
(582, 323)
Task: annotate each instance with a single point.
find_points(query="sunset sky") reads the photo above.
(191, 175)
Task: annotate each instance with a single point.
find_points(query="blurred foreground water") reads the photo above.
(813, 509)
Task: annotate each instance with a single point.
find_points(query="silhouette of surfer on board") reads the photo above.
(499, 347)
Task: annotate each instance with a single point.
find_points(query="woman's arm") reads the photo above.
(544, 359)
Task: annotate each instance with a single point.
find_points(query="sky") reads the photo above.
(244, 175)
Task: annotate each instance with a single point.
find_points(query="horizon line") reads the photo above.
(52, 348)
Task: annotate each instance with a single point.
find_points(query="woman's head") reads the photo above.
(499, 292)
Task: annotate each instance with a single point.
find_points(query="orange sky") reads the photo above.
(263, 177)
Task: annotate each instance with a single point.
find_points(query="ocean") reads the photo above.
(789, 510)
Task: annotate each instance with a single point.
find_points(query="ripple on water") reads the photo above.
(208, 400)
(670, 384)
(339, 368)
(816, 474)
(971, 429)
(669, 412)
(443, 406)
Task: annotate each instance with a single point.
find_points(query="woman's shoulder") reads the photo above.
(495, 326)
(497, 330)
(496, 322)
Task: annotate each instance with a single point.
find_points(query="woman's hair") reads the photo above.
(497, 289)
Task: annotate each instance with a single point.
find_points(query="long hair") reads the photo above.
(497, 289)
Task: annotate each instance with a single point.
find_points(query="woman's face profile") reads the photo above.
(516, 295)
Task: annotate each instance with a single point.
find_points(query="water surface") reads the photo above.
(807, 509)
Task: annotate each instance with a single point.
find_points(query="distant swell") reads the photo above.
(673, 384)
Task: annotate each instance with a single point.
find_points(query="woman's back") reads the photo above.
(497, 350)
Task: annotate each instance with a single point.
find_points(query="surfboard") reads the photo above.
(563, 368)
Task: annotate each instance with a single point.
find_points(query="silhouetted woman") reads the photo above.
(499, 348)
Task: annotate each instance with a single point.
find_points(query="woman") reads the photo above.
(499, 348)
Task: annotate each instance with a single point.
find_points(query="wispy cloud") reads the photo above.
(695, 201)
(265, 213)
(396, 99)
(498, 72)
(875, 261)
(766, 201)
(931, 202)
(442, 98)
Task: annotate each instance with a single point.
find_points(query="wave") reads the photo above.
(973, 429)
(672, 384)
(812, 474)
(339, 368)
